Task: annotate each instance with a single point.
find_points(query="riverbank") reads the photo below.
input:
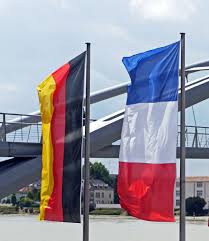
(190, 220)
(99, 213)
(8, 209)
(203, 220)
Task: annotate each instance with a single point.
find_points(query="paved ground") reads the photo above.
(18, 228)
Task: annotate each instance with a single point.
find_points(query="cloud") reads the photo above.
(8, 87)
(171, 10)
(8, 6)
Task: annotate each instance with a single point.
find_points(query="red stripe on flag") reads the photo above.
(146, 190)
(55, 210)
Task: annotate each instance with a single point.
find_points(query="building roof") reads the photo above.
(99, 185)
(24, 190)
(196, 179)
(98, 182)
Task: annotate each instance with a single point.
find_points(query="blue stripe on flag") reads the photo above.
(154, 75)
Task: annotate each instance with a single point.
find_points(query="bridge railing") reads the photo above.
(196, 136)
(28, 132)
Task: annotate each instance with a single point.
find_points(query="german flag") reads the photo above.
(61, 107)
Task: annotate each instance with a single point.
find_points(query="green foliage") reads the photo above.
(22, 198)
(99, 171)
(107, 211)
(194, 206)
(25, 202)
(34, 195)
(37, 196)
(116, 198)
(30, 195)
(8, 210)
(13, 199)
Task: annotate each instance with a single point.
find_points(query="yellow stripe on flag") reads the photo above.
(45, 92)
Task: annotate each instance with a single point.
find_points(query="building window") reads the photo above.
(178, 184)
(110, 195)
(97, 194)
(199, 193)
(199, 184)
(177, 202)
(102, 194)
(177, 193)
(102, 202)
(92, 194)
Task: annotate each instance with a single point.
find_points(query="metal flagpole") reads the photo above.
(182, 144)
(87, 150)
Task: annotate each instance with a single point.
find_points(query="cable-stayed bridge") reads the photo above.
(20, 135)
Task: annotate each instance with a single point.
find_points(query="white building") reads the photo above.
(100, 192)
(195, 187)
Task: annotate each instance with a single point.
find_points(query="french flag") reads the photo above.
(147, 160)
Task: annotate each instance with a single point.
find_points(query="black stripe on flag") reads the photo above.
(71, 192)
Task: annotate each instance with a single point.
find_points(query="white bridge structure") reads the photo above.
(20, 134)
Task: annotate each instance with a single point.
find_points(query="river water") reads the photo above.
(28, 228)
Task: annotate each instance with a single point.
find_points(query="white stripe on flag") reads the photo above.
(149, 133)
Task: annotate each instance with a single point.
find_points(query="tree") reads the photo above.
(13, 199)
(34, 194)
(116, 198)
(99, 171)
(30, 195)
(37, 196)
(195, 205)
(22, 198)
(26, 202)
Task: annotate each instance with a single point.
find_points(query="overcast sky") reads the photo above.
(39, 36)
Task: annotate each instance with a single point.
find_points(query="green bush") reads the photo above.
(30, 195)
(107, 211)
(194, 206)
(25, 202)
